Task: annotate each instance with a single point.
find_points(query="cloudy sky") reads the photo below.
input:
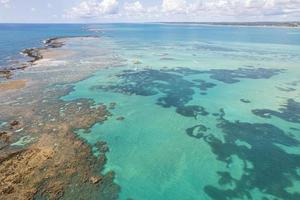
(148, 10)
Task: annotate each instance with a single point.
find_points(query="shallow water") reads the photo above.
(209, 112)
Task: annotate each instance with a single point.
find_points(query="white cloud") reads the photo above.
(94, 8)
(5, 3)
(247, 9)
(175, 6)
(49, 5)
(135, 7)
(108, 7)
(187, 10)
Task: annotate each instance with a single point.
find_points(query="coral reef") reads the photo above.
(40, 155)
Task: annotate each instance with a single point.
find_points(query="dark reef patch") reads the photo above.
(177, 91)
(245, 100)
(234, 76)
(204, 86)
(191, 111)
(294, 83)
(266, 167)
(289, 112)
(287, 89)
(231, 75)
(272, 170)
(174, 89)
(167, 58)
(214, 48)
(197, 131)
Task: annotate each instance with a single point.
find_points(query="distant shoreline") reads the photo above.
(242, 24)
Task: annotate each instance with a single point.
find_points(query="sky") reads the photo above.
(101, 11)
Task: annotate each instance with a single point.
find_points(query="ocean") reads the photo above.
(198, 112)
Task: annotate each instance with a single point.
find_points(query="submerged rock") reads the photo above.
(4, 136)
(112, 105)
(197, 131)
(34, 53)
(245, 100)
(102, 160)
(14, 123)
(102, 146)
(95, 179)
(54, 43)
(137, 62)
(104, 149)
(120, 118)
(8, 189)
(191, 111)
(231, 76)
(5, 74)
(289, 112)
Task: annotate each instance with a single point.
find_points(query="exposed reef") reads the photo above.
(34, 53)
(7, 73)
(57, 161)
(54, 42)
(41, 157)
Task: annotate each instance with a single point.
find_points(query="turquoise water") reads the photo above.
(210, 112)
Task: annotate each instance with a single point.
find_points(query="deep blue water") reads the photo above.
(16, 37)
(169, 32)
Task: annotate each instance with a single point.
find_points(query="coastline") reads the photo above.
(242, 25)
(38, 53)
(41, 155)
(34, 54)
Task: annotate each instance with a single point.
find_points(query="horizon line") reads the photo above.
(145, 22)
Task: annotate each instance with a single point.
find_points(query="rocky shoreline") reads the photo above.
(40, 155)
(34, 54)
